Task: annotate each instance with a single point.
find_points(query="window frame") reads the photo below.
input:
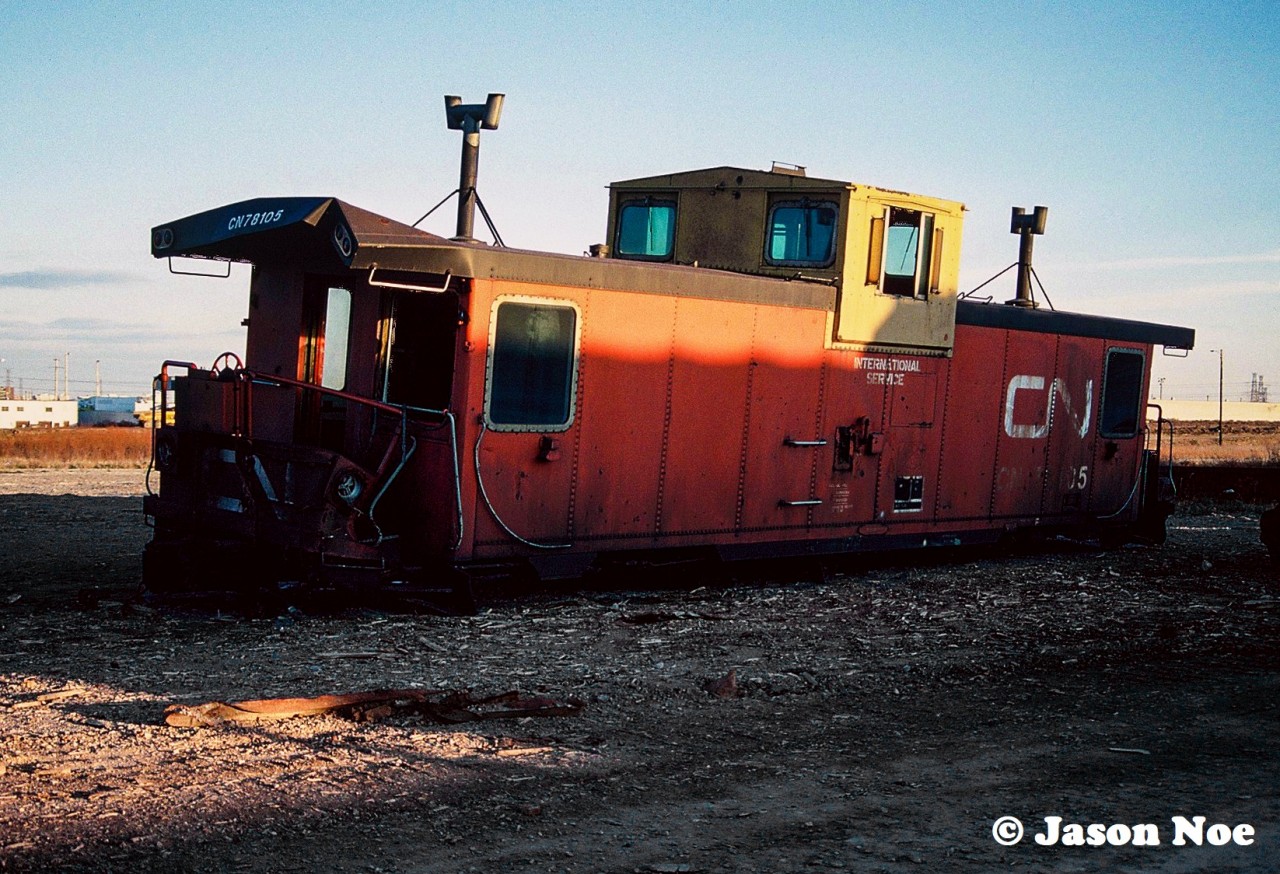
(397, 308)
(315, 351)
(803, 203)
(649, 201)
(1104, 395)
(925, 272)
(532, 300)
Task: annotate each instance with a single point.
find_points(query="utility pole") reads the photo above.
(97, 378)
(1219, 351)
(56, 396)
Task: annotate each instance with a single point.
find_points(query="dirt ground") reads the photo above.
(883, 716)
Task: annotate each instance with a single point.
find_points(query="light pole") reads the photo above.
(1219, 351)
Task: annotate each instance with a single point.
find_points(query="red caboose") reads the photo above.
(757, 364)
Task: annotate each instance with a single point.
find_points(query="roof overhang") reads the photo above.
(275, 229)
(993, 315)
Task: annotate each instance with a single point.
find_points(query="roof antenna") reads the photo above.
(470, 119)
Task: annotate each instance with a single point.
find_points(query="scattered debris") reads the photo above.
(437, 706)
(49, 698)
(652, 617)
(724, 687)
(357, 655)
(524, 751)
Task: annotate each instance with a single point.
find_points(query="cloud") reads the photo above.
(95, 331)
(63, 278)
(82, 325)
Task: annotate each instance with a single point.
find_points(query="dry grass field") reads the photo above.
(1195, 443)
(74, 448)
(1251, 443)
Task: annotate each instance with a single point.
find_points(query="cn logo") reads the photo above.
(1081, 417)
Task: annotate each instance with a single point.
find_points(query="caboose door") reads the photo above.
(322, 360)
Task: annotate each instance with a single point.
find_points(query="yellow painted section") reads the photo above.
(868, 318)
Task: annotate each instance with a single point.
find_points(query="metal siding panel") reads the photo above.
(1073, 428)
(971, 420)
(708, 387)
(529, 495)
(785, 400)
(1028, 374)
(911, 440)
(849, 496)
(625, 352)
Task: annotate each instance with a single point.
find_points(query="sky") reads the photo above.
(1151, 131)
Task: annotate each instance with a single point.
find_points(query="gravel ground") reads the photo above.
(877, 716)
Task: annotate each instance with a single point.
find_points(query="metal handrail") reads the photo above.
(249, 378)
(1161, 422)
(242, 425)
(373, 268)
(162, 378)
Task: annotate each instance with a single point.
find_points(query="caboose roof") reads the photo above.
(327, 233)
(777, 180)
(740, 177)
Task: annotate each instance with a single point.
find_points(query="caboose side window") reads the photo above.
(647, 229)
(1121, 414)
(337, 334)
(908, 252)
(326, 334)
(801, 234)
(533, 350)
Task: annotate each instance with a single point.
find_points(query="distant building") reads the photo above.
(108, 410)
(144, 410)
(38, 413)
(1207, 411)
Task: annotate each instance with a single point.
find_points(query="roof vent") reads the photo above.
(470, 119)
(1027, 227)
(786, 169)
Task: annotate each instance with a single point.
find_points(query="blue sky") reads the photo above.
(1152, 132)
